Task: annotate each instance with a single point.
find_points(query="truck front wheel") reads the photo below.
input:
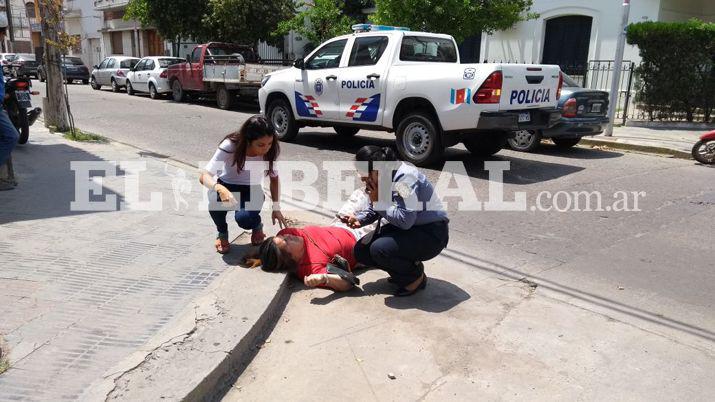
(225, 98)
(419, 139)
(485, 144)
(281, 116)
(177, 91)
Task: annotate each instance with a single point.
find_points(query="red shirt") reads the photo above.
(321, 244)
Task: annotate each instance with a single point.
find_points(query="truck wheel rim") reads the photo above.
(707, 151)
(416, 140)
(279, 118)
(523, 138)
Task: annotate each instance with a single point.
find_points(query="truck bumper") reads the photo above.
(539, 119)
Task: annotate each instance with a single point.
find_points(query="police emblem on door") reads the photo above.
(318, 87)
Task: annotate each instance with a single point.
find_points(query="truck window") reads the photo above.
(425, 48)
(196, 55)
(327, 56)
(367, 51)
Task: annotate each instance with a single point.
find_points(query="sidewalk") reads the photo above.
(83, 291)
(677, 143)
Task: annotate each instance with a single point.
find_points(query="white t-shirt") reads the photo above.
(221, 166)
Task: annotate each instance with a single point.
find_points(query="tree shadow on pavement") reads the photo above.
(439, 296)
(46, 184)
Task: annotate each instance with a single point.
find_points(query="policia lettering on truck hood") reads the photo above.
(413, 84)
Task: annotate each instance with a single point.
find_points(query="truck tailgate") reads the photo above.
(254, 73)
(527, 86)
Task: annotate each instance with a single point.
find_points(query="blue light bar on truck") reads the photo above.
(357, 28)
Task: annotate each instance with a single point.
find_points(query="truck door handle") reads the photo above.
(373, 76)
(331, 77)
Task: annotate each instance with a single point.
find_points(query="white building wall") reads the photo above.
(525, 42)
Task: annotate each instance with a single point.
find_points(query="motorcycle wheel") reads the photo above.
(704, 152)
(23, 126)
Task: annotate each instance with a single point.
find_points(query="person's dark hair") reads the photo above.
(373, 153)
(254, 128)
(273, 259)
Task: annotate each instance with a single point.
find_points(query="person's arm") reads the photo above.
(331, 281)
(276, 198)
(206, 177)
(367, 216)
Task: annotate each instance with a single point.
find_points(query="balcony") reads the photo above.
(104, 5)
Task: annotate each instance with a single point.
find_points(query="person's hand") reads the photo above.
(315, 280)
(371, 190)
(226, 196)
(351, 221)
(277, 216)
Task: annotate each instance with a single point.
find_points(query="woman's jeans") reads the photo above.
(400, 252)
(8, 136)
(246, 218)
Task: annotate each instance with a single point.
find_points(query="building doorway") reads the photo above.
(566, 43)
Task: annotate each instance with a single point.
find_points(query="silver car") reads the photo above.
(112, 71)
(149, 75)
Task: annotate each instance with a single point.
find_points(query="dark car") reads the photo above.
(583, 113)
(73, 69)
(26, 65)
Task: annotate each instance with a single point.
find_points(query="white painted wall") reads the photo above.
(524, 42)
(683, 10)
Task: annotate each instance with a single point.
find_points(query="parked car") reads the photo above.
(26, 65)
(223, 69)
(73, 69)
(112, 71)
(150, 75)
(5, 60)
(411, 83)
(583, 113)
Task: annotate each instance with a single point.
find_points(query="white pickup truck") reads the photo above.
(413, 84)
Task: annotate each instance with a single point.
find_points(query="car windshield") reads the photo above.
(164, 63)
(73, 61)
(128, 63)
(569, 82)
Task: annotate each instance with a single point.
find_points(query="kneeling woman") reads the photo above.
(417, 228)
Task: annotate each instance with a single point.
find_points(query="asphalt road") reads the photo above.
(652, 268)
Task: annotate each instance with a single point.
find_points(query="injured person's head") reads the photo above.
(281, 253)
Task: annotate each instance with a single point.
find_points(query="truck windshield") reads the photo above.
(425, 48)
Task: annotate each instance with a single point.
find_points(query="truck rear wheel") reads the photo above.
(225, 99)
(485, 144)
(419, 139)
(177, 91)
(281, 117)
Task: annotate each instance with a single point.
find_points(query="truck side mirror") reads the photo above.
(188, 58)
(299, 63)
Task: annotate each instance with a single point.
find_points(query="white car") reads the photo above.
(149, 75)
(413, 84)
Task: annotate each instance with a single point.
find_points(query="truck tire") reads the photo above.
(281, 117)
(419, 140)
(346, 131)
(225, 99)
(565, 143)
(485, 144)
(525, 140)
(177, 91)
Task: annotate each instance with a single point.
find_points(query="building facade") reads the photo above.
(84, 22)
(23, 33)
(129, 38)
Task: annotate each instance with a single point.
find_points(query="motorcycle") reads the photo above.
(17, 102)
(704, 150)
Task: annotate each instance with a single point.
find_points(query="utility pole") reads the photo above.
(55, 104)
(617, 67)
(10, 28)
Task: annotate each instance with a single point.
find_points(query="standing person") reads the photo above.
(413, 232)
(8, 132)
(229, 173)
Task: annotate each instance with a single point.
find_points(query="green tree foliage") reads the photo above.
(318, 21)
(677, 72)
(459, 18)
(174, 19)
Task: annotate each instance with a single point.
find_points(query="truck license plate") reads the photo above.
(596, 108)
(524, 117)
(23, 98)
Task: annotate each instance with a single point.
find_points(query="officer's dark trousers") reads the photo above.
(399, 252)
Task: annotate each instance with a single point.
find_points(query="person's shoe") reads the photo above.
(6, 185)
(257, 237)
(222, 245)
(404, 292)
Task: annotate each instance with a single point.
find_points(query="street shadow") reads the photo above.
(522, 171)
(580, 152)
(46, 184)
(439, 296)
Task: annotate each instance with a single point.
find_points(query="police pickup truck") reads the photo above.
(413, 84)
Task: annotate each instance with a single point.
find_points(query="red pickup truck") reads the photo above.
(221, 69)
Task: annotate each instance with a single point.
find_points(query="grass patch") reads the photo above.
(83, 136)
(4, 362)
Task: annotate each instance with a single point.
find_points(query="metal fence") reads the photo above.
(599, 74)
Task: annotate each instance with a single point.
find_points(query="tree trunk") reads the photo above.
(56, 111)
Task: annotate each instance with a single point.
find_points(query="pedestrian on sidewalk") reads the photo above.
(8, 132)
(417, 226)
(229, 174)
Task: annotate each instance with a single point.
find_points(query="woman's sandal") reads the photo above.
(403, 292)
(222, 246)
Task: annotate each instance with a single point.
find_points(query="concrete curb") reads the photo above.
(627, 146)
